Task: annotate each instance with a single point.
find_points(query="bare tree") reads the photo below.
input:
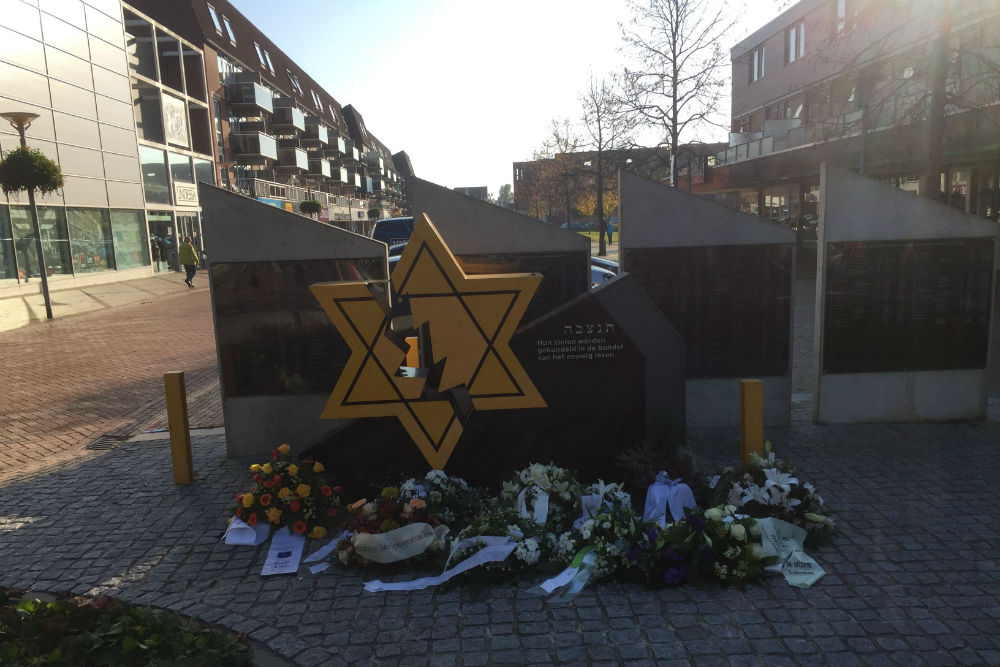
(608, 130)
(558, 174)
(680, 70)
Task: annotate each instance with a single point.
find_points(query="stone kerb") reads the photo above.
(724, 280)
(277, 350)
(903, 305)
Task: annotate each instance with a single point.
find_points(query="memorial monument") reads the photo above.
(442, 366)
(904, 297)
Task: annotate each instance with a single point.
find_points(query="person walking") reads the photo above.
(611, 232)
(187, 256)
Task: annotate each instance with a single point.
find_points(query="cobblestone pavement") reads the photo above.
(100, 372)
(913, 578)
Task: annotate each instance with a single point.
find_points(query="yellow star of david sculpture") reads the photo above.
(465, 324)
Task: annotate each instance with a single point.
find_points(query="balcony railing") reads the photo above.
(288, 120)
(258, 187)
(337, 147)
(320, 167)
(249, 99)
(293, 159)
(316, 133)
(339, 175)
(254, 147)
(351, 153)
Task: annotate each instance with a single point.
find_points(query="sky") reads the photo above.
(465, 87)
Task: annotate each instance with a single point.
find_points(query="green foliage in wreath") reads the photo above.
(374, 213)
(29, 169)
(309, 206)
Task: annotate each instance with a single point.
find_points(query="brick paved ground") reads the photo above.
(81, 376)
(913, 578)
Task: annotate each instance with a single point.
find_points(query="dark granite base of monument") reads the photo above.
(610, 369)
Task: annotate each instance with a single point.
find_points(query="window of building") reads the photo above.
(793, 107)
(180, 168)
(267, 57)
(219, 141)
(260, 54)
(229, 30)
(90, 239)
(155, 182)
(795, 42)
(294, 80)
(204, 171)
(847, 11)
(128, 229)
(139, 46)
(757, 64)
(215, 18)
(148, 114)
(8, 267)
(169, 52)
(55, 241)
(316, 100)
(194, 73)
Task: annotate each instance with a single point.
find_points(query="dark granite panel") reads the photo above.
(907, 305)
(565, 275)
(273, 337)
(731, 304)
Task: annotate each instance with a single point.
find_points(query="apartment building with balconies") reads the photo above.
(276, 134)
(375, 168)
(852, 83)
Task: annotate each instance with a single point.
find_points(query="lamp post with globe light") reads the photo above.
(21, 120)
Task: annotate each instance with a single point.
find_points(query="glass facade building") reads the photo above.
(174, 130)
(66, 62)
(123, 109)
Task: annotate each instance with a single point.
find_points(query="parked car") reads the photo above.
(393, 231)
(603, 263)
(599, 276)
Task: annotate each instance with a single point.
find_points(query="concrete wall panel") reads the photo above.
(902, 397)
(655, 216)
(240, 229)
(472, 226)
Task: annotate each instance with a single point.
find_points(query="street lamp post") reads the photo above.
(22, 121)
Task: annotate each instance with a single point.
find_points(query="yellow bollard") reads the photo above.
(751, 418)
(180, 433)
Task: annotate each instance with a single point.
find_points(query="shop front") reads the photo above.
(76, 242)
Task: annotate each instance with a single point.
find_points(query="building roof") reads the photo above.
(402, 163)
